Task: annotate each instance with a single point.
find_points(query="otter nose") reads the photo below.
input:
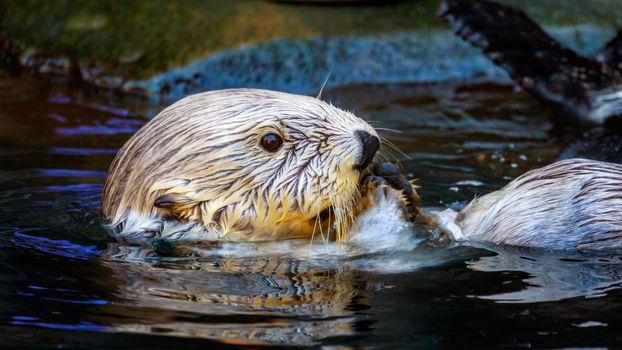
(370, 146)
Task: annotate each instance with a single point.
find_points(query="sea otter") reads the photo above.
(585, 93)
(243, 164)
(251, 165)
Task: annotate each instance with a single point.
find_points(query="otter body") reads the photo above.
(575, 203)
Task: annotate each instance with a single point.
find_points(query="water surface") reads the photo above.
(65, 283)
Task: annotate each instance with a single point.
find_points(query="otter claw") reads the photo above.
(378, 185)
(392, 174)
(373, 180)
(388, 177)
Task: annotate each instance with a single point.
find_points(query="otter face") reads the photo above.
(247, 164)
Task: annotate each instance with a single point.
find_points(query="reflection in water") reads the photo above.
(293, 292)
(65, 283)
(278, 300)
(553, 275)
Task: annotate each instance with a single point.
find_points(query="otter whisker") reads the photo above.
(390, 130)
(372, 122)
(387, 151)
(394, 147)
(330, 214)
(390, 144)
(351, 215)
(321, 228)
(344, 213)
(314, 228)
(319, 94)
(384, 155)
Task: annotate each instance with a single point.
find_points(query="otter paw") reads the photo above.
(373, 188)
(387, 180)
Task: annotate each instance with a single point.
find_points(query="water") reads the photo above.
(65, 283)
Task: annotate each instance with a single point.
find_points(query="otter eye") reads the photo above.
(271, 142)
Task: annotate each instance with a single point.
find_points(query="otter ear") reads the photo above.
(172, 201)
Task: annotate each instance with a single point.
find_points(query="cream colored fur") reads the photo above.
(575, 203)
(204, 152)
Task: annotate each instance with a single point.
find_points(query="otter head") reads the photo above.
(247, 164)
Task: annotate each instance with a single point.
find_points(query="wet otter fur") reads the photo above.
(570, 204)
(241, 164)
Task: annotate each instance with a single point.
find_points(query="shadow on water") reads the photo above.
(66, 283)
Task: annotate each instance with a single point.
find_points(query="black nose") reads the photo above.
(370, 146)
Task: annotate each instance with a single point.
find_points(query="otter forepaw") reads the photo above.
(386, 180)
(373, 188)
